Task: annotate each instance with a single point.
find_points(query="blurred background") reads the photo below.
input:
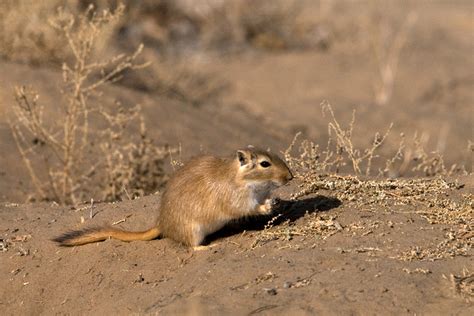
(225, 74)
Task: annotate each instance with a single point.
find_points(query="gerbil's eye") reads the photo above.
(265, 164)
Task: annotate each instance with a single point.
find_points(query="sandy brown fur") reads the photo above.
(203, 196)
(94, 234)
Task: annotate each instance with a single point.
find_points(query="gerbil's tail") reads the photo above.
(94, 234)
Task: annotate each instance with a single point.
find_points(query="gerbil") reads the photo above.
(203, 196)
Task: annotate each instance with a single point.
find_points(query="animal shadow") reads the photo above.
(288, 211)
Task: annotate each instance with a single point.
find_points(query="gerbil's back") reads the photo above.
(193, 176)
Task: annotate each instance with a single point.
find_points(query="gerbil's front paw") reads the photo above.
(269, 206)
(274, 203)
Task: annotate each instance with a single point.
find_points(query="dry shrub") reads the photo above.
(413, 157)
(339, 150)
(308, 160)
(132, 168)
(79, 159)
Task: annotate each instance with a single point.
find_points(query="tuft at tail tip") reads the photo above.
(69, 238)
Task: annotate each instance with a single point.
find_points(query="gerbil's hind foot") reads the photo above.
(201, 248)
(206, 247)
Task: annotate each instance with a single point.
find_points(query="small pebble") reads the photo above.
(270, 291)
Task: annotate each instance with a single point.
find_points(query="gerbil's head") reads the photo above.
(259, 165)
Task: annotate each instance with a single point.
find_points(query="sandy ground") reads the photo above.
(357, 266)
(358, 269)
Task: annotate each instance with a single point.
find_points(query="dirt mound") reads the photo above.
(322, 255)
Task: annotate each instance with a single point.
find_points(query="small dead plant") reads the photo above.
(78, 158)
(338, 152)
(131, 168)
(413, 157)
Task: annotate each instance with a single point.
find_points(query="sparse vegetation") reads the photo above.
(66, 172)
(338, 153)
(319, 170)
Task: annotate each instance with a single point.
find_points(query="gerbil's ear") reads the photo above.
(243, 157)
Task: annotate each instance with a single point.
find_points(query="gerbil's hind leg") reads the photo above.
(197, 235)
(198, 238)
